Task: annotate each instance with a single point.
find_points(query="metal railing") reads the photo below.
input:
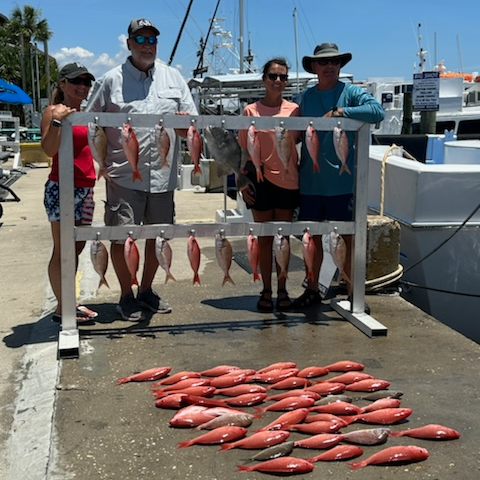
(69, 233)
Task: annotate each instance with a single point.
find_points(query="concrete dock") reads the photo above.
(68, 419)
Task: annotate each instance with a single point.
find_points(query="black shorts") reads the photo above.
(269, 196)
(318, 208)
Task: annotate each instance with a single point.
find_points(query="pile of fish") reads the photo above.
(315, 403)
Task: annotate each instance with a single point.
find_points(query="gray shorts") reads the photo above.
(125, 206)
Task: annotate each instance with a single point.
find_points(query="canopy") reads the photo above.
(10, 93)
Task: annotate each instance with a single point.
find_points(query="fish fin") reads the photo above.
(227, 278)
(344, 168)
(103, 281)
(136, 175)
(226, 446)
(197, 170)
(196, 279)
(256, 277)
(169, 277)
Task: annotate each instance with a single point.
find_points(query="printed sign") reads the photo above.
(426, 86)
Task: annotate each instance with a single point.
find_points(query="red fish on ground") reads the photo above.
(191, 421)
(253, 254)
(240, 390)
(229, 380)
(180, 385)
(338, 452)
(259, 440)
(368, 385)
(201, 391)
(132, 259)
(320, 441)
(281, 466)
(313, 146)
(398, 455)
(325, 388)
(216, 436)
(286, 419)
(382, 403)
(295, 393)
(246, 399)
(275, 375)
(345, 366)
(234, 419)
(130, 147)
(173, 401)
(338, 408)
(429, 432)
(277, 366)
(314, 428)
(219, 370)
(349, 377)
(147, 375)
(194, 145)
(193, 251)
(312, 372)
(290, 382)
(371, 436)
(288, 403)
(177, 377)
(385, 416)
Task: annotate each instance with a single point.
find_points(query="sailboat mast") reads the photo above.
(241, 51)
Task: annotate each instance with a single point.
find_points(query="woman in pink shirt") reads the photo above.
(276, 192)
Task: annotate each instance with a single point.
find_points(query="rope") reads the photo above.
(381, 282)
(382, 176)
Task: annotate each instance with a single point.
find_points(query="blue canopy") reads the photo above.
(10, 93)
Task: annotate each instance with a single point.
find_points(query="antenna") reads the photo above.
(459, 53)
(421, 52)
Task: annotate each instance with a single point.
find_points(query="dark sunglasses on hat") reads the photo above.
(273, 76)
(141, 39)
(80, 81)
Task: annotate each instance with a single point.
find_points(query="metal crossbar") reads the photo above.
(69, 337)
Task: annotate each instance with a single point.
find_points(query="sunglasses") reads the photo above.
(326, 61)
(141, 39)
(80, 81)
(273, 76)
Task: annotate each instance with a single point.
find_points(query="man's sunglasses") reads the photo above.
(80, 81)
(326, 61)
(273, 76)
(141, 39)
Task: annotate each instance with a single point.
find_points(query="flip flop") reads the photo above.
(86, 311)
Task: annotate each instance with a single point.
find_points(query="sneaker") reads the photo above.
(129, 309)
(151, 301)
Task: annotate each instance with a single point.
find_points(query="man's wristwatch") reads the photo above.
(55, 123)
(335, 112)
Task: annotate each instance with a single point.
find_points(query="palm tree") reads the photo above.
(26, 27)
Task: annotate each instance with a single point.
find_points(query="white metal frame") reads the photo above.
(353, 311)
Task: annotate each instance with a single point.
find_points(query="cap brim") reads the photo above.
(79, 74)
(308, 59)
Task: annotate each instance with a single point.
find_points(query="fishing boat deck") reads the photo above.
(87, 426)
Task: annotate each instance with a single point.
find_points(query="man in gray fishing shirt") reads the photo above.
(143, 84)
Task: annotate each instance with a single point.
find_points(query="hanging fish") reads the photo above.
(253, 254)
(132, 259)
(99, 257)
(163, 252)
(193, 251)
(162, 138)
(130, 147)
(285, 146)
(224, 254)
(194, 145)
(338, 250)
(281, 249)
(253, 147)
(97, 141)
(309, 253)
(313, 146)
(340, 143)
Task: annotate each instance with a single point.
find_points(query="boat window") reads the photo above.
(469, 126)
(442, 126)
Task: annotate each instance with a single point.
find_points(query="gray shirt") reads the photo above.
(128, 90)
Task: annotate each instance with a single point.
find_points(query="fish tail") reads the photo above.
(164, 163)
(344, 168)
(310, 275)
(103, 173)
(343, 276)
(227, 278)
(136, 175)
(258, 412)
(184, 444)
(316, 167)
(226, 446)
(259, 176)
(103, 281)
(169, 277)
(123, 380)
(244, 468)
(134, 280)
(197, 170)
(196, 279)
(256, 277)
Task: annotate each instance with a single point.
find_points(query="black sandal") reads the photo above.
(283, 301)
(265, 304)
(307, 299)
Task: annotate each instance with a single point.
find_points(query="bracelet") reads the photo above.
(55, 123)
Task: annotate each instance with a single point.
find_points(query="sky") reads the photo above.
(383, 36)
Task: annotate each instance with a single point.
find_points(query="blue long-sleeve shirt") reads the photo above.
(357, 104)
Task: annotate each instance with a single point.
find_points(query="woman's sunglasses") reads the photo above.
(80, 81)
(273, 76)
(141, 39)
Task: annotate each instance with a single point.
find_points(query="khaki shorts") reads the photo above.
(125, 206)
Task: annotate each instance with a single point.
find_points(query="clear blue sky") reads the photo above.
(382, 35)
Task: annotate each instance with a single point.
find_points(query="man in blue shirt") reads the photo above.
(327, 194)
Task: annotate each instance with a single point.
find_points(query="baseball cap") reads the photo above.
(73, 70)
(139, 23)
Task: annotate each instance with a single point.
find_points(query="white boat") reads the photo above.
(437, 206)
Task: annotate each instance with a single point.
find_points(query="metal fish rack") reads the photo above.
(353, 311)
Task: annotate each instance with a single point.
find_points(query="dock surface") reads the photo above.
(66, 419)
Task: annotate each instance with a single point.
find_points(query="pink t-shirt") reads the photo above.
(273, 168)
